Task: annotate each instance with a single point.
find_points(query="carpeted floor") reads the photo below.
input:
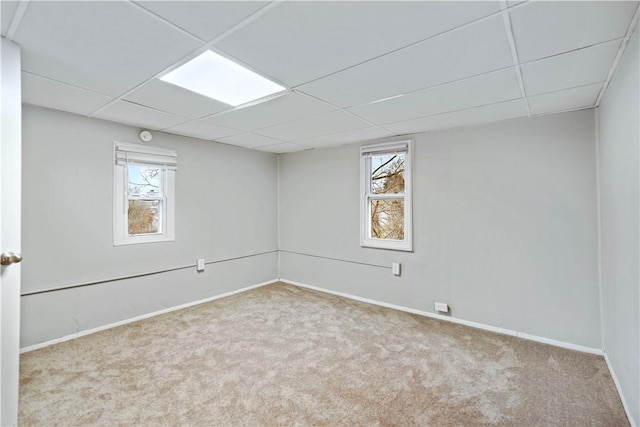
(282, 355)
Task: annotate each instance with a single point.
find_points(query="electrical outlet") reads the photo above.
(442, 307)
(395, 268)
(200, 264)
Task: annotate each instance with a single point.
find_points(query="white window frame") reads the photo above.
(366, 196)
(153, 156)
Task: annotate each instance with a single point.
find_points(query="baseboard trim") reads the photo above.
(477, 325)
(619, 388)
(141, 317)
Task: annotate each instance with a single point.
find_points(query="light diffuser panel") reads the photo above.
(217, 77)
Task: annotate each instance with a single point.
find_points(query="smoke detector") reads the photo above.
(146, 136)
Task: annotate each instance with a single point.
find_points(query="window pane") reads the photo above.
(387, 219)
(144, 181)
(387, 174)
(144, 216)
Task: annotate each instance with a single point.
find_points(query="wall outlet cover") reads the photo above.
(442, 307)
(395, 268)
(200, 264)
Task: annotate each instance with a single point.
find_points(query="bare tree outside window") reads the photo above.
(385, 220)
(387, 215)
(144, 180)
(144, 186)
(145, 192)
(143, 217)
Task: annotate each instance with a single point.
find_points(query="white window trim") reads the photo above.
(365, 196)
(120, 198)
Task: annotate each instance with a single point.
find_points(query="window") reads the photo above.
(386, 195)
(144, 194)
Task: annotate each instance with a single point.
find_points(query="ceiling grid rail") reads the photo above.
(250, 19)
(195, 53)
(346, 109)
(435, 36)
(623, 45)
(17, 19)
(481, 64)
(514, 52)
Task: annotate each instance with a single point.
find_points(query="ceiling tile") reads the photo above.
(137, 115)
(311, 127)
(108, 47)
(285, 147)
(348, 137)
(249, 140)
(472, 116)
(466, 52)
(48, 93)
(476, 91)
(204, 19)
(300, 41)
(7, 10)
(544, 28)
(202, 130)
(569, 99)
(176, 100)
(578, 68)
(285, 108)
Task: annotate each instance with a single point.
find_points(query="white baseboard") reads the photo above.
(342, 294)
(141, 317)
(619, 388)
(477, 325)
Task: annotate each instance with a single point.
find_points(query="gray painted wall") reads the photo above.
(505, 226)
(619, 140)
(226, 207)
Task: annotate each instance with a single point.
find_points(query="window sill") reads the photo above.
(143, 239)
(387, 244)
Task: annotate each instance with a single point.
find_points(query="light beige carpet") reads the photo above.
(281, 355)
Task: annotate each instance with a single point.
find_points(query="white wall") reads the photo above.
(504, 227)
(225, 208)
(619, 165)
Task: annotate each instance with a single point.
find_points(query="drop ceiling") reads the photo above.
(353, 70)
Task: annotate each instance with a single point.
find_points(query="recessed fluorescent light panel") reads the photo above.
(219, 78)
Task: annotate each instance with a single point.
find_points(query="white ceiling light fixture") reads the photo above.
(217, 77)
